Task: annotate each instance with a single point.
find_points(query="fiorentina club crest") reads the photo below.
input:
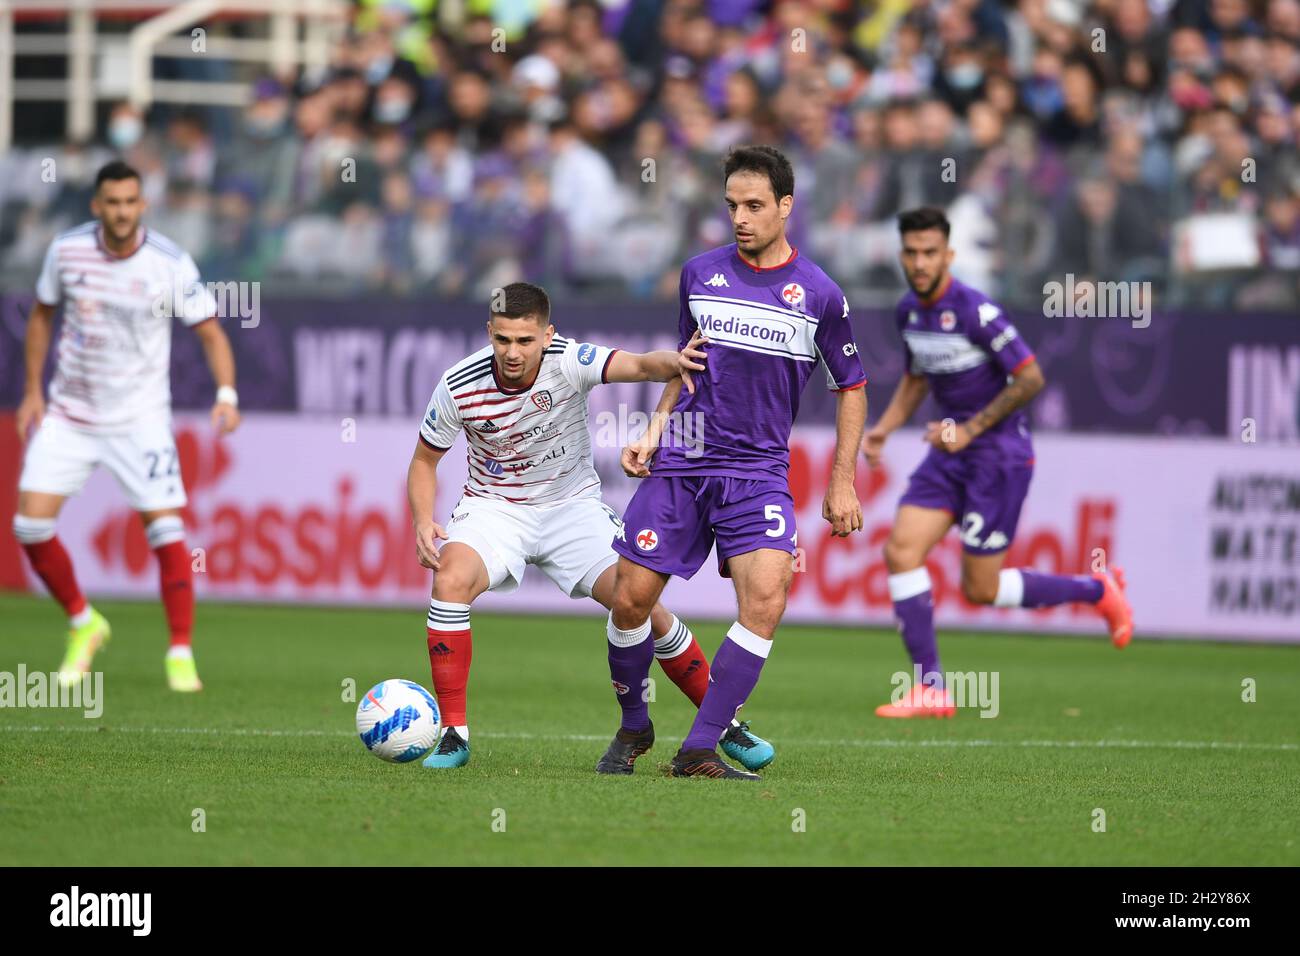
(646, 539)
(793, 295)
(948, 320)
(542, 400)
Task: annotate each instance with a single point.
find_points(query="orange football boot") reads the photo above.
(921, 701)
(1114, 607)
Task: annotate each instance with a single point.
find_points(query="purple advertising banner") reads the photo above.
(1182, 374)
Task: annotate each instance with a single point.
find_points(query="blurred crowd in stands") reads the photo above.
(577, 143)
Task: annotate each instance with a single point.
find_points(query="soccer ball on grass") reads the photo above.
(398, 721)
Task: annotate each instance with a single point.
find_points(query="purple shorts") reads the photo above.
(672, 521)
(984, 494)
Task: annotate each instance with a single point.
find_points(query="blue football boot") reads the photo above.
(747, 749)
(451, 751)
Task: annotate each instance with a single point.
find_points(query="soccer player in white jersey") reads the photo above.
(533, 497)
(110, 404)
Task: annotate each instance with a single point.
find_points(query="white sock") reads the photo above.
(674, 643)
(463, 730)
(1011, 588)
(165, 530)
(82, 617)
(180, 650)
(621, 638)
(908, 584)
(756, 644)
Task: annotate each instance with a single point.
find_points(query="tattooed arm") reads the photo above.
(1024, 385)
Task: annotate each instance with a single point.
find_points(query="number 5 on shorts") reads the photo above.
(773, 513)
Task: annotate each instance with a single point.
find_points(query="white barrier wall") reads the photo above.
(294, 509)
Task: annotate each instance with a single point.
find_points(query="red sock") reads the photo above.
(176, 583)
(689, 670)
(450, 653)
(52, 565)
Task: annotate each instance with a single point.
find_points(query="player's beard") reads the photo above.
(930, 290)
(121, 234)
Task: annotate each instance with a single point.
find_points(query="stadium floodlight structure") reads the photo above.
(321, 22)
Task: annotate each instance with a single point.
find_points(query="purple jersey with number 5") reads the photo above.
(769, 329)
(966, 348)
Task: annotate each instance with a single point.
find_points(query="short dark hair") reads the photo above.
(918, 220)
(766, 161)
(115, 171)
(521, 299)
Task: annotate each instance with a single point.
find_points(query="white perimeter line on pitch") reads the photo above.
(1061, 744)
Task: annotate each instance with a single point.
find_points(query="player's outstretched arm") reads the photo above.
(421, 492)
(1027, 382)
(907, 398)
(221, 361)
(841, 507)
(31, 410)
(658, 366)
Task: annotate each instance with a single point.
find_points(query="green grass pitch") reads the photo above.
(1156, 736)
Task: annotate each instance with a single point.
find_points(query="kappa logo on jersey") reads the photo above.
(793, 295)
(542, 400)
(1003, 337)
(646, 539)
(489, 426)
(718, 281)
(846, 308)
(988, 312)
(586, 353)
(911, 318)
(616, 521)
(948, 320)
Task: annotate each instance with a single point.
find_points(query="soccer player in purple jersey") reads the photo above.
(960, 346)
(770, 317)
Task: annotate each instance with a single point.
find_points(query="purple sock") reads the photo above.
(732, 677)
(629, 667)
(914, 608)
(1047, 590)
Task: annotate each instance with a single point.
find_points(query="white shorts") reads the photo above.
(570, 542)
(62, 457)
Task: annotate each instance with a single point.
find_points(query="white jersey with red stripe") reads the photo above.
(113, 358)
(526, 446)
